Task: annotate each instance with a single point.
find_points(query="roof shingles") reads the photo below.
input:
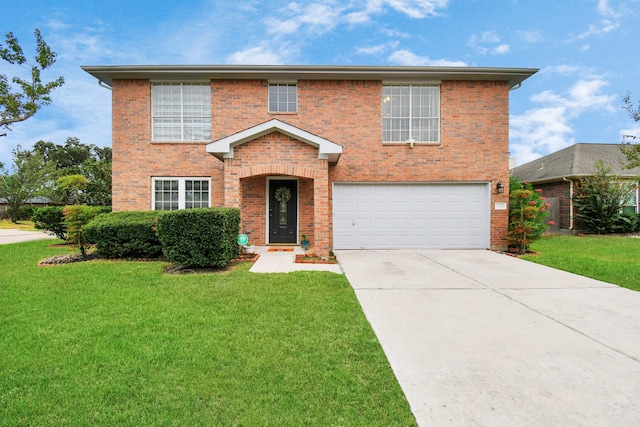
(575, 161)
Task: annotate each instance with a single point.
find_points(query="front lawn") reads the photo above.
(119, 343)
(608, 258)
(21, 225)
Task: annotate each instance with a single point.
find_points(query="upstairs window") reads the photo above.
(283, 98)
(410, 113)
(180, 193)
(181, 112)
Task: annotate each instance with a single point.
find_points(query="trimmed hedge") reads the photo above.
(203, 237)
(127, 234)
(50, 218)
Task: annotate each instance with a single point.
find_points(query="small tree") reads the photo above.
(75, 218)
(600, 199)
(527, 211)
(29, 179)
(71, 188)
(19, 104)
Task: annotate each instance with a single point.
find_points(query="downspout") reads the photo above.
(570, 181)
(104, 85)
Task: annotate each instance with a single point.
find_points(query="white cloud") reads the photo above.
(255, 56)
(530, 36)
(550, 127)
(377, 49)
(416, 9)
(501, 49)
(314, 18)
(320, 17)
(395, 33)
(408, 58)
(610, 21)
(488, 42)
(630, 134)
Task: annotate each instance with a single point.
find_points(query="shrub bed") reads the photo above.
(200, 237)
(127, 234)
(51, 219)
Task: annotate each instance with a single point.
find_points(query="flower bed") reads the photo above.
(315, 259)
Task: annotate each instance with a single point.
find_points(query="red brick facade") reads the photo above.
(473, 148)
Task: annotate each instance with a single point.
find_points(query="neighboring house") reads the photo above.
(36, 202)
(353, 157)
(557, 174)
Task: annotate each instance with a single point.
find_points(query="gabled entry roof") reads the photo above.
(223, 148)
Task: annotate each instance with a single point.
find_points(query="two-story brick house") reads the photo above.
(353, 157)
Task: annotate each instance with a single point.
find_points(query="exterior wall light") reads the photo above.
(499, 187)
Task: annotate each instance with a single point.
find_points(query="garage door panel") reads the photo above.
(387, 216)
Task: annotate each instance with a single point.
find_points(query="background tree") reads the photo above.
(75, 158)
(630, 149)
(600, 200)
(23, 101)
(31, 174)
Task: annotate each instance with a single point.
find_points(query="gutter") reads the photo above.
(570, 181)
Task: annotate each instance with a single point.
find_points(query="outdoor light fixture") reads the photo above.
(499, 187)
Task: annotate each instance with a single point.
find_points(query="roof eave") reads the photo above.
(514, 76)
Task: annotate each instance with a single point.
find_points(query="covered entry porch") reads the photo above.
(278, 175)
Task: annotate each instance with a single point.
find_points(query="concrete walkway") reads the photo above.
(14, 236)
(284, 262)
(478, 338)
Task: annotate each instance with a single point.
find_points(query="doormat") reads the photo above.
(277, 249)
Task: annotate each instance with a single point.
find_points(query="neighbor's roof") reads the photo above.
(575, 161)
(106, 74)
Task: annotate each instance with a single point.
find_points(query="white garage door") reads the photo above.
(403, 216)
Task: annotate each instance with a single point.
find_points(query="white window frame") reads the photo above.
(182, 199)
(189, 124)
(282, 106)
(387, 109)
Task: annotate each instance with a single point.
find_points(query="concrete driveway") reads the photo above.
(478, 338)
(15, 236)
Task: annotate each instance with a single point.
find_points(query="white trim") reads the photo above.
(223, 148)
(181, 188)
(268, 201)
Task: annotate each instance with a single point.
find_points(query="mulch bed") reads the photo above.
(75, 257)
(315, 259)
(67, 259)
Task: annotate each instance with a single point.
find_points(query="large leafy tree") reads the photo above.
(21, 98)
(631, 149)
(74, 160)
(29, 178)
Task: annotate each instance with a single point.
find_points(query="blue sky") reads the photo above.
(586, 51)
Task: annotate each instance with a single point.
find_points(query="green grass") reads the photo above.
(22, 224)
(611, 259)
(119, 343)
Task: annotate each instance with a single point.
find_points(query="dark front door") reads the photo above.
(283, 210)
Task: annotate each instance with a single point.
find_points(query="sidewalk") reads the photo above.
(275, 261)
